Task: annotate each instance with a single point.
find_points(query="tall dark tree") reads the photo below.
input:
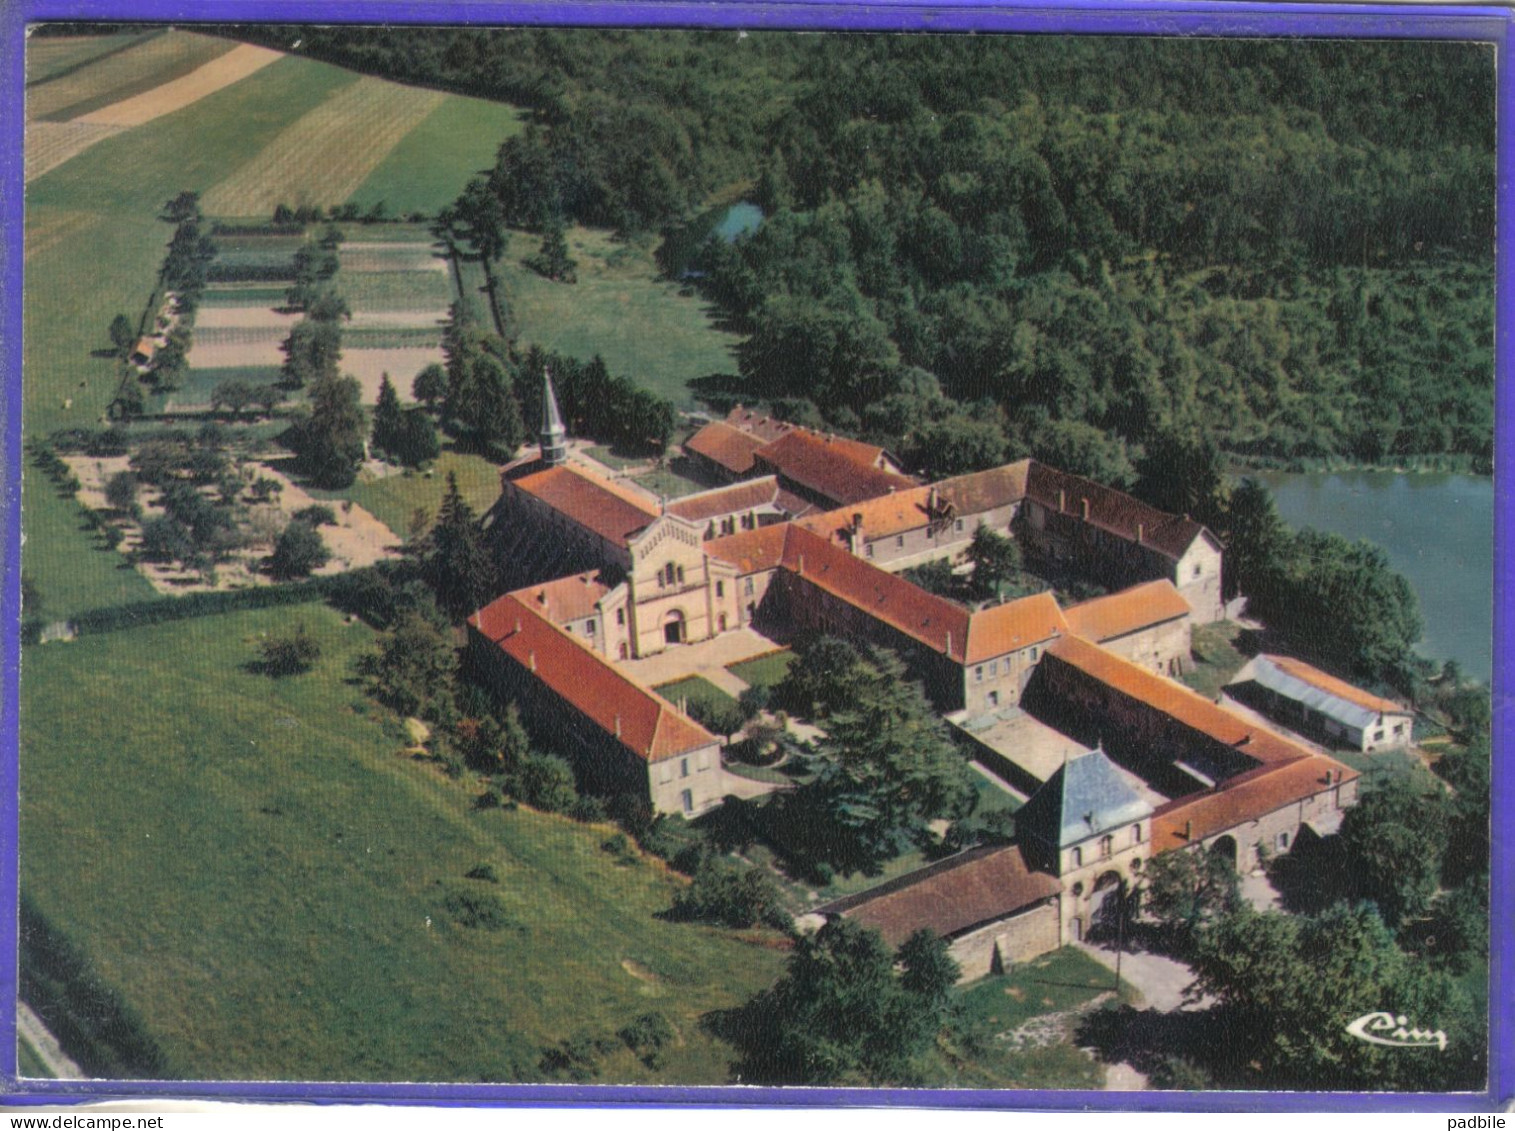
(996, 559)
(387, 418)
(430, 386)
(123, 335)
(330, 442)
(456, 563)
(1394, 838)
(484, 406)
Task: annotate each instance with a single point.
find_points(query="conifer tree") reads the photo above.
(457, 564)
(387, 418)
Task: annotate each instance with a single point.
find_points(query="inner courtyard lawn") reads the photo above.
(258, 869)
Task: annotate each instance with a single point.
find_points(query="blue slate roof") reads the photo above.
(1084, 798)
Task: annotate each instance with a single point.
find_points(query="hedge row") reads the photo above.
(91, 1021)
(250, 273)
(139, 614)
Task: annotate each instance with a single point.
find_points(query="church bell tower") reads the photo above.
(554, 437)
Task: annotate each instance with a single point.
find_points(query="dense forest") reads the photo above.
(1056, 246)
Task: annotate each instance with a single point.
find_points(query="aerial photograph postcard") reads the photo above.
(710, 556)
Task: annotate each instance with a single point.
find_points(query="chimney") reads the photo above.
(1244, 740)
(857, 521)
(931, 500)
(618, 726)
(949, 642)
(1141, 532)
(1188, 830)
(532, 658)
(1086, 510)
(1062, 500)
(518, 626)
(802, 565)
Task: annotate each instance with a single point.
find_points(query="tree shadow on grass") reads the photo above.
(1150, 1040)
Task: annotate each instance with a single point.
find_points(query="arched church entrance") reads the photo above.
(673, 627)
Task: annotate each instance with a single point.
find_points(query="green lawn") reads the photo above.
(764, 671)
(642, 326)
(49, 56)
(433, 162)
(696, 691)
(393, 499)
(669, 483)
(234, 295)
(990, 796)
(1216, 659)
(610, 459)
(264, 877)
(979, 1052)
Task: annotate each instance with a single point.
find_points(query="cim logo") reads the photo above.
(1390, 1030)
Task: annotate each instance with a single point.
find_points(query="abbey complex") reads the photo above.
(1077, 710)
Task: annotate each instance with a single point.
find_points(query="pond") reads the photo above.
(1437, 529)
(726, 222)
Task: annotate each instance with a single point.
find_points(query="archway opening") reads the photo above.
(673, 627)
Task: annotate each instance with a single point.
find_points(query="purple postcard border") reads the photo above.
(1166, 17)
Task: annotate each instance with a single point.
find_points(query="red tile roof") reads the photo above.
(722, 444)
(1112, 510)
(950, 897)
(934, 621)
(1246, 797)
(611, 511)
(566, 599)
(751, 551)
(745, 496)
(766, 428)
(644, 722)
(880, 517)
(1333, 686)
(1119, 614)
(1176, 701)
(830, 468)
(1012, 626)
(982, 491)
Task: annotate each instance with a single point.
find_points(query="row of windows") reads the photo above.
(978, 671)
(899, 539)
(1106, 846)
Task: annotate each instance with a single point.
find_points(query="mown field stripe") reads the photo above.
(40, 61)
(141, 67)
(322, 157)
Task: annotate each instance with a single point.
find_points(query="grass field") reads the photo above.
(48, 57)
(324, 155)
(764, 671)
(696, 691)
(269, 882)
(643, 327)
(153, 61)
(429, 167)
(393, 499)
(390, 338)
(979, 1055)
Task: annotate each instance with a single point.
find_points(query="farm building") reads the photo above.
(990, 906)
(1312, 703)
(1148, 624)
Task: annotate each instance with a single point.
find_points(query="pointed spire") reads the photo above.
(554, 437)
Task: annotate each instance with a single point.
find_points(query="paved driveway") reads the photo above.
(1159, 979)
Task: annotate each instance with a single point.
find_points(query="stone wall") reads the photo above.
(995, 947)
